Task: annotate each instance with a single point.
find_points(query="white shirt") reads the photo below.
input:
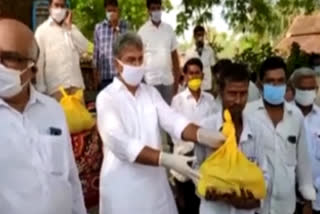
(208, 60)
(195, 111)
(286, 151)
(254, 93)
(159, 43)
(312, 123)
(59, 61)
(127, 124)
(38, 170)
(249, 144)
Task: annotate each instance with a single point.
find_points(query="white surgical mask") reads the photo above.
(108, 15)
(10, 82)
(305, 97)
(156, 16)
(132, 75)
(58, 14)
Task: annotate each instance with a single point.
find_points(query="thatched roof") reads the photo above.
(305, 30)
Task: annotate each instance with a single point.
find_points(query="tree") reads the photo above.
(265, 17)
(87, 13)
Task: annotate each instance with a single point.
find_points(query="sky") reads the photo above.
(218, 22)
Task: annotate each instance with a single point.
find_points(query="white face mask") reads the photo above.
(132, 75)
(10, 82)
(108, 15)
(58, 14)
(305, 97)
(156, 16)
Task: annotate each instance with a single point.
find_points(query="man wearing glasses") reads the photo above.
(38, 171)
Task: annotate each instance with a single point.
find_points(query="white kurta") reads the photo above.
(126, 124)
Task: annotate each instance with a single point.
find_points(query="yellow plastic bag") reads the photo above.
(228, 169)
(78, 117)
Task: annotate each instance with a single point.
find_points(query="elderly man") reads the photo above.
(61, 45)
(130, 115)
(305, 84)
(38, 171)
(284, 140)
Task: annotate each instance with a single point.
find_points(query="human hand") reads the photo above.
(210, 138)
(245, 201)
(180, 164)
(68, 19)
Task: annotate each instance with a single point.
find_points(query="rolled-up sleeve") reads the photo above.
(171, 121)
(113, 133)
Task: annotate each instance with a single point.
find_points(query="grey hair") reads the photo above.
(300, 73)
(125, 40)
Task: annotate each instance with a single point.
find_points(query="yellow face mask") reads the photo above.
(195, 84)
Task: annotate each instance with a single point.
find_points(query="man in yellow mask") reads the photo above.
(195, 105)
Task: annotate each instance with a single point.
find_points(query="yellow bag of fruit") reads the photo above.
(228, 169)
(78, 117)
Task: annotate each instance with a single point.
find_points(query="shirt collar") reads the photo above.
(118, 85)
(35, 97)
(288, 107)
(152, 25)
(189, 95)
(246, 130)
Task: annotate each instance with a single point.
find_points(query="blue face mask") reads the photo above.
(274, 94)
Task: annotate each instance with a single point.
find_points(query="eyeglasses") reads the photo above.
(15, 60)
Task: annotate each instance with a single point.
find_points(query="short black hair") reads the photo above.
(110, 3)
(233, 72)
(192, 61)
(271, 63)
(50, 2)
(220, 65)
(198, 28)
(149, 2)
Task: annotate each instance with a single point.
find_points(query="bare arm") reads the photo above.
(176, 69)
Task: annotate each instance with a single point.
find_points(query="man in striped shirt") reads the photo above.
(105, 33)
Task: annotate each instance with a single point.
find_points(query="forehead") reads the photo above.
(111, 7)
(59, 2)
(275, 73)
(14, 40)
(131, 50)
(199, 33)
(307, 80)
(236, 85)
(193, 68)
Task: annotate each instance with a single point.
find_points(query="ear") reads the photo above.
(119, 68)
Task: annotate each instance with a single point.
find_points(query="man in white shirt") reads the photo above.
(61, 45)
(38, 170)
(305, 84)
(253, 93)
(233, 88)
(284, 141)
(130, 114)
(195, 105)
(205, 53)
(160, 53)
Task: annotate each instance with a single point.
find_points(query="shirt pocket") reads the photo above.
(290, 147)
(53, 154)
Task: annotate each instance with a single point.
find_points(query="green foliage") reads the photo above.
(253, 57)
(297, 59)
(87, 13)
(265, 17)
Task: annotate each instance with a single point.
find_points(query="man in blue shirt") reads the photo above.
(105, 33)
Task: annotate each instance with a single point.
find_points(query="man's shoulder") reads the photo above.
(253, 106)
(100, 25)
(49, 104)
(208, 96)
(211, 121)
(42, 27)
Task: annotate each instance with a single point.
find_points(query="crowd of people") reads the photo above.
(143, 94)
